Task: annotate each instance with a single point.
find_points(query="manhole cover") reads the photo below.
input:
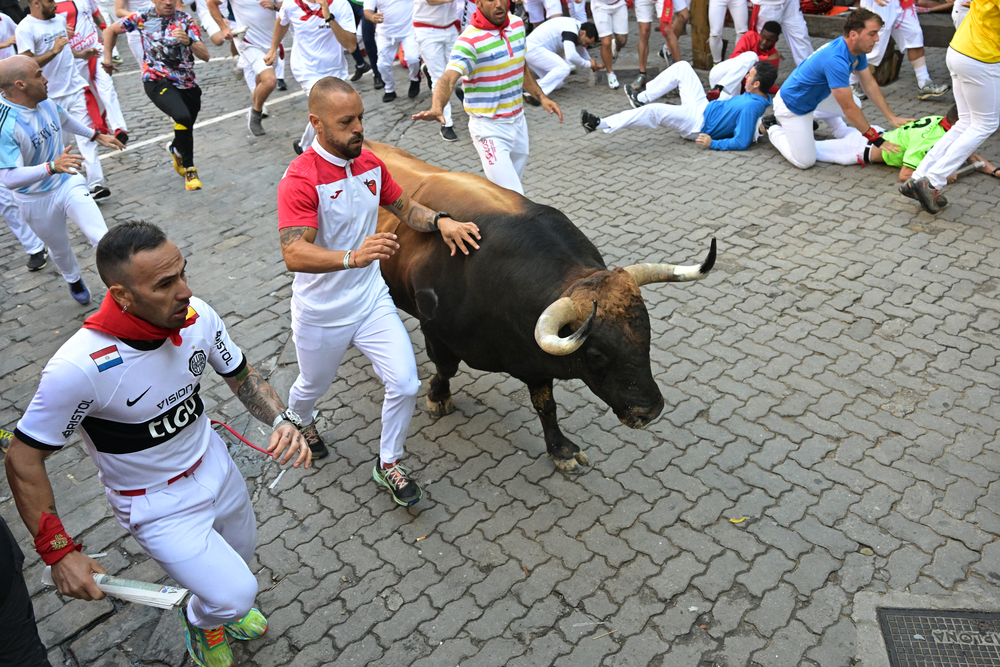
(940, 638)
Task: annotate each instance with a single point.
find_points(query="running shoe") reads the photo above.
(589, 121)
(448, 134)
(360, 70)
(414, 89)
(460, 94)
(115, 58)
(208, 648)
(389, 97)
(633, 97)
(297, 147)
(38, 260)
(379, 83)
(5, 438)
(640, 82)
(315, 442)
(858, 91)
(253, 122)
(768, 121)
(532, 100)
(191, 180)
(665, 54)
(926, 194)
(932, 90)
(251, 626)
(281, 85)
(80, 292)
(613, 81)
(178, 162)
(396, 478)
(99, 192)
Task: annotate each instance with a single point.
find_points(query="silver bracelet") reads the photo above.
(347, 259)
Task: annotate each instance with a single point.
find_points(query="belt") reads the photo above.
(142, 492)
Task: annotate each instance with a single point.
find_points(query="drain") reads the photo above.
(940, 637)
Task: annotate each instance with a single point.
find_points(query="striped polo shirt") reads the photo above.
(491, 63)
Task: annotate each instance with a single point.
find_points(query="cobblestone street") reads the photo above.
(831, 420)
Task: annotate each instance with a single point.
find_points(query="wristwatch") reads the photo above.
(287, 416)
(438, 216)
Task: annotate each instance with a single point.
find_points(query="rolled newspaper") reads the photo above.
(140, 592)
(969, 168)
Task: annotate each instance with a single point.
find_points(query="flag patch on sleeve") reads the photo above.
(106, 358)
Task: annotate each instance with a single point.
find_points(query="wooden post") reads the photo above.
(702, 56)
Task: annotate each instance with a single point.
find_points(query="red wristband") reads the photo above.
(52, 541)
(871, 134)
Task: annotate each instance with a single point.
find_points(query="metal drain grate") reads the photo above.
(940, 638)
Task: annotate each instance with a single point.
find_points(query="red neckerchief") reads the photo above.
(309, 13)
(483, 23)
(111, 320)
(945, 124)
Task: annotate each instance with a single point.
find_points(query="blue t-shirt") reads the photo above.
(731, 123)
(810, 83)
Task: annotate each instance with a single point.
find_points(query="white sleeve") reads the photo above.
(225, 357)
(572, 56)
(25, 39)
(283, 13)
(370, 5)
(65, 396)
(344, 15)
(20, 177)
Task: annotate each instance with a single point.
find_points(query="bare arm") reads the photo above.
(120, 10)
(302, 255)
(216, 12)
(874, 93)
(44, 59)
(200, 51)
(279, 34)
(348, 40)
(419, 217)
(443, 89)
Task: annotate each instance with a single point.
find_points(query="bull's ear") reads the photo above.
(560, 313)
(671, 273)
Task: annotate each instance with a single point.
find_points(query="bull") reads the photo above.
(536, 300)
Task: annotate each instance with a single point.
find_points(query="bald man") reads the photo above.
(35, 163)
(328, 202)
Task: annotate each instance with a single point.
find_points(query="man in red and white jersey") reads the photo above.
(129, 382)
(83, 19)
(328, 205)
(436, 27)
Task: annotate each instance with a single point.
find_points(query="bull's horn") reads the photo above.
(560, 313)
(671, 273)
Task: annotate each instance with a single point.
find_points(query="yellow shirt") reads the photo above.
(979, 35)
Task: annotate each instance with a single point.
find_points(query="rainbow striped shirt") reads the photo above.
(491, 63)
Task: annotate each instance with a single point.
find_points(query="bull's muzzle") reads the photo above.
(638, 417)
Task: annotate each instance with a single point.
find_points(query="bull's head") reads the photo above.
(615, 335)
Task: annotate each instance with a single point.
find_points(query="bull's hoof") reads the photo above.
(440, 408)
(570, 465)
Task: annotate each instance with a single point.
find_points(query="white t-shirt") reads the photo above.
(397, 15)
(560, 35)
(138, 411)
(316, 52)
(38, 36)
(442, 16)
(79, 16)
(7, 27)
(258, 20)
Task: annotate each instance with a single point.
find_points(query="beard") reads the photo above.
(350, 149)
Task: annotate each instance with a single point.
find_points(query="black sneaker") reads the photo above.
(396, 478)
(389, 97)
(38, 260)
(427, 74)
(633, 97)
(360, 70)
(768, 121)
(414, 89)
(316, 444)
(379, 83)
(460, 94)
(281, 85)
(99, 192)
(448, 134)
(79, 292)
(925, 194)
(532, 100)
(589, 121)
(253, 122)
(297, 147)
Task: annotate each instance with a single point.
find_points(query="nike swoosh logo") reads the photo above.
(130, 403)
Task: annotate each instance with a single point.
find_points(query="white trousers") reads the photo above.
(539, 10)
(717, 19)
(578, 10)
(103, 86)
(12, 214)
(900, 24)
(977, 94)
(847, 150)
(793, 136)
(435, 46)
(550, 69)
(387, 47)
(308, 134)
(958, 12)
(793, 27)
(135, 45)
(76, 106)
(730, 73)
(502, 145)
(46, 214)
(686, 117)
(382, 338)
(202, 531)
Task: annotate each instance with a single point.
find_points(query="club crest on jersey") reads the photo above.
(371, 186)
(336, 194)
(106, 358)
(196, 364)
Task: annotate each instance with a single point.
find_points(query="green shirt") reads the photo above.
(916, 139)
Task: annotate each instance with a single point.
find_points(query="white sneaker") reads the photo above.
(932, 90)
(858, 91)
(612, 81)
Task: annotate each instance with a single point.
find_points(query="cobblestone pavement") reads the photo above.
(833, 381)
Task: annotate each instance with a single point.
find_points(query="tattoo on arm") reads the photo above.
(290, 235)
(259, 397)
(420, 218)
(243, 374)
(52, 510)
(399, 204)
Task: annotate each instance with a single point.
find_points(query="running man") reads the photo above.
(611, 20)
(393, 21)
(436, 29)
(555, 48)
(328, 206)
(170, 39)
(489, 58)
(169, 478)
(722, 125)
(36, 164)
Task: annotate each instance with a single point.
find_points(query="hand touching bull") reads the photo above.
(455, 234)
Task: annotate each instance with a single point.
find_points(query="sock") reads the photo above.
(644, 97)
(923, 78)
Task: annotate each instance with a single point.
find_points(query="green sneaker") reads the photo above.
(396, 478)
(251, 626)
(208, 648)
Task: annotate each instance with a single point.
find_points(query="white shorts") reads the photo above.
(610, 19)
(648, 11)
(900, 24)
(252, 56)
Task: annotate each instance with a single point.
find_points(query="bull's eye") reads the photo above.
(596, 358)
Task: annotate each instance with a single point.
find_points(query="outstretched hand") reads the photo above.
(552, 107)
(430, 114)
(457, 234)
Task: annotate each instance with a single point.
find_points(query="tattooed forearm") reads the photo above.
(259, 397)
(399, 204)
(290, 235)
(420, 218)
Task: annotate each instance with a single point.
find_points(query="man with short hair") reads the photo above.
(787, 13)
(43, 37)
(555, 48)
(393, 21)
(489, 58)
(723, 125)
(129, 381)
(35, 163)
(820, 88)
(328, 206)
(753, 47)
